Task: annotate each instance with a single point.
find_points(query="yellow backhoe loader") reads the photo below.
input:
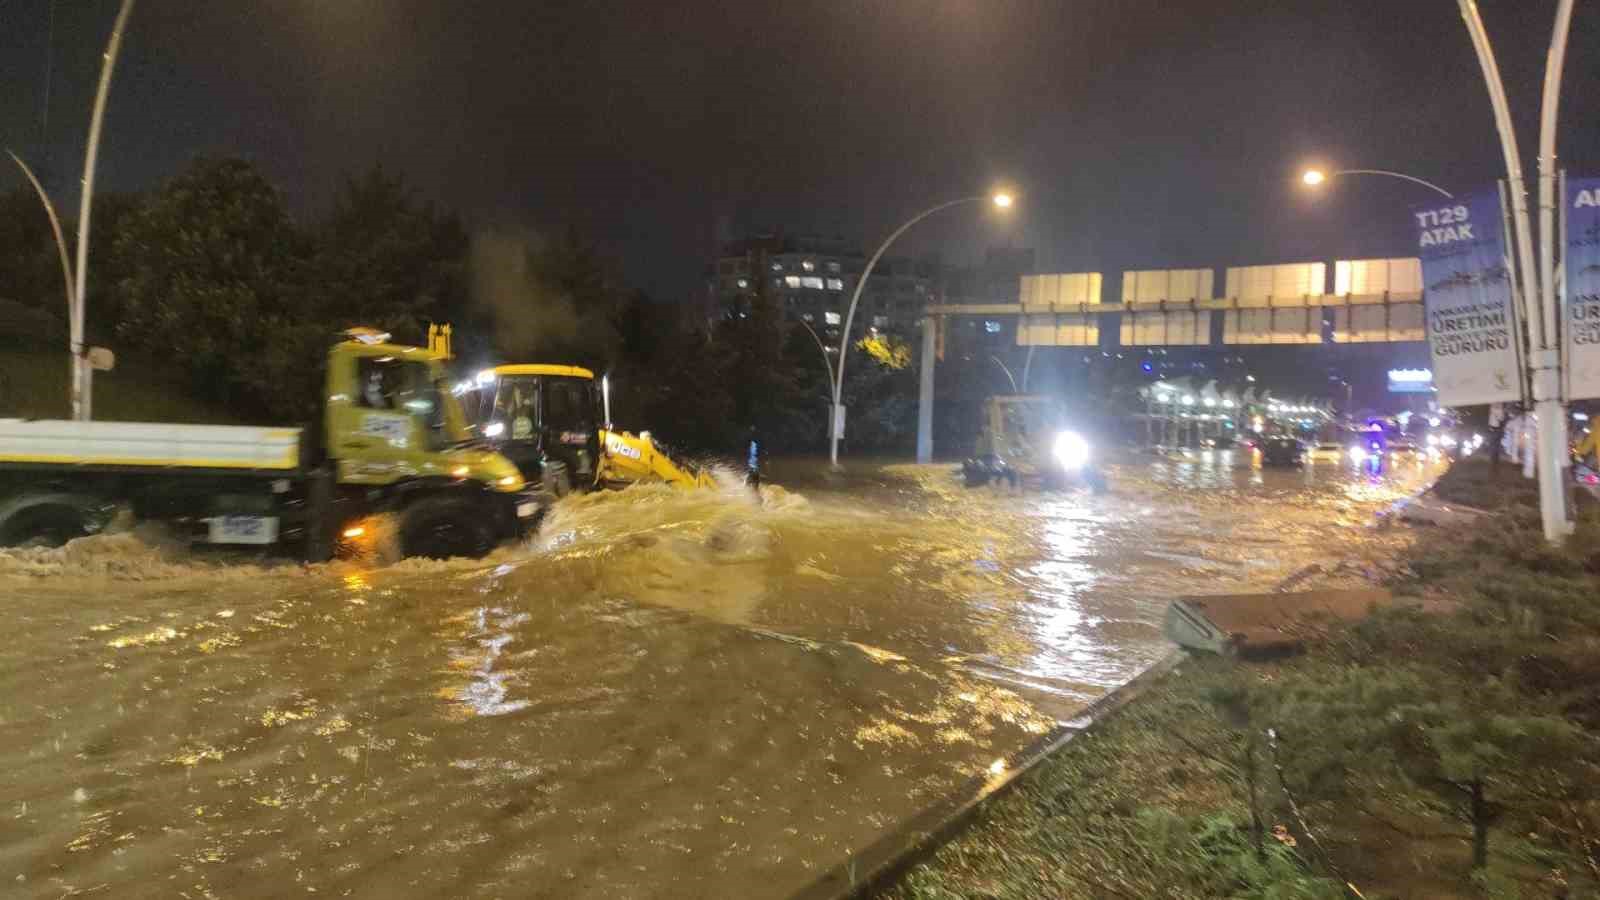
(553, 422)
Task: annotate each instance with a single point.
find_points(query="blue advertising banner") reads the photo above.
(1582, 312)
(1471, 325)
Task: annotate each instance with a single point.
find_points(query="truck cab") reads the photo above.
(399, 440)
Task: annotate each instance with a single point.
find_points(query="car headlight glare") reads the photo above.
(1071, 450)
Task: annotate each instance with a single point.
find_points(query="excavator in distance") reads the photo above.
(553, 423)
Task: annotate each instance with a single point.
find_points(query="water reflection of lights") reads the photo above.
(1057, 612)
(485, 692)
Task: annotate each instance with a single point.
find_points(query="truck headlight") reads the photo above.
(1071, 450)
(494, 429)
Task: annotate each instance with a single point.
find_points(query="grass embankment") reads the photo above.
(33, 385)
(1409, 755)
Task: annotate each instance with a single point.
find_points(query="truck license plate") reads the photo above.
(525, 510)
(243, 530)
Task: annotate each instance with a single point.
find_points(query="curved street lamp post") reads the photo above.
(1001, 200)
(83, 372)
(1315, 177)
(827, 364)
(61, 250)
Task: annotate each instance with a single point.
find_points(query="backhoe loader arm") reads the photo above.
(627, 458)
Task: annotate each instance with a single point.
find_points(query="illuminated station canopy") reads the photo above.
(1410, 381)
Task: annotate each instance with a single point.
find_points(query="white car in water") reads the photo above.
(1328, 452)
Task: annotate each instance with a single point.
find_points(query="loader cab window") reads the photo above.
(516, 406)
(569, 404)
(402, 386)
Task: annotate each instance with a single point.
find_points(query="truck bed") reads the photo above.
(148, 444)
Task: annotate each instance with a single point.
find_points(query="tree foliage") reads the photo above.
(384, 259)
(215, 268)
(32, 298)
(210, 273)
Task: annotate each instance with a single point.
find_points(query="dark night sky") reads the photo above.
(1142, 133)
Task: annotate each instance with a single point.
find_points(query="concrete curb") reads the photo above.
(886, 859)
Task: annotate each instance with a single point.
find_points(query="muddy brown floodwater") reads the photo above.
(663, 695)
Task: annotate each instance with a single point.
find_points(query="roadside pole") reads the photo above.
(83, 373)
(1553, 421)
(1538, 299)
(827, 366)
(930, 347)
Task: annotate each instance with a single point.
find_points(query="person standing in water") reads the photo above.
(752, 465)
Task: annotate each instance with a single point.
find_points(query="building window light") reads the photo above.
(835, 284)
(777, 267)
(792, 281)
(808, 317)
(832, 318)
(812, 281)
(744, 283)
(809, 266)
(833, 267)
(991, 326)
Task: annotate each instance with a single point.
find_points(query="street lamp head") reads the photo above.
(1314, 177)
(1003, 200)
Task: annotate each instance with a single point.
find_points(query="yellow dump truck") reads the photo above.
(392, 439)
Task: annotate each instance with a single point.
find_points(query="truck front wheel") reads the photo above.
(46, 525)
(442, 527)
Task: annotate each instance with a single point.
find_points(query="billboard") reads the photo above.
(1582, 302)
(1373, 323)
(1471, 323)
(1374, 280)
(1280, 304)
(1059, 330)
(1159, 285)
(1290, 284)
(1273, 326)
(1060, 293)
(1173, 328)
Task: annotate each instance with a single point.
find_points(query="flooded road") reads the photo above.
(663, 695)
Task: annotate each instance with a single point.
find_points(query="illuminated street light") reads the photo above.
(1317, 177)
(1001, 200)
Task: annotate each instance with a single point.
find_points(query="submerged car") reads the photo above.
(1328, 451)
(1282, 451)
